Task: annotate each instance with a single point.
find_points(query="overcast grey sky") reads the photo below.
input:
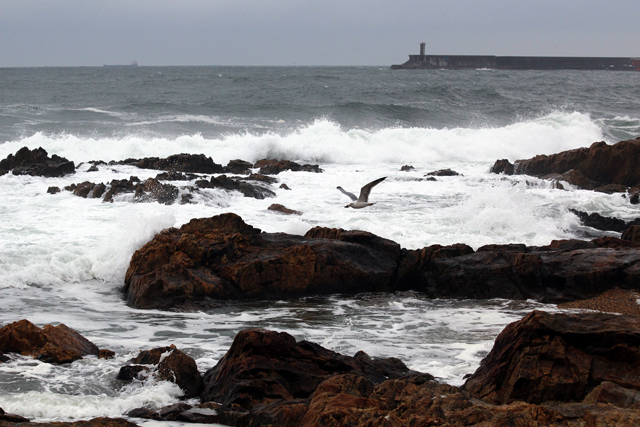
(303, 32)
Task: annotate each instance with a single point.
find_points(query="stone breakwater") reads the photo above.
(544, 370)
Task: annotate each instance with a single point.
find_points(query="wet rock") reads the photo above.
(274, 167)
(604, 223)
(37, 162)
(559, 357)
(154, 190)
(169, 364)
(175, 176)
(284, 187)
(120, 186)
(260, 178)
(262, 367)
(53, 190)
(238, 167)
(194, 163)
(282, 209)
(443, 172)
(223, 258)
(598, 165)
(87, 189)
(407, 168)
(95, 422)
(632, 234)
(502, 166)
(230, 184)
(51, 344)
(562, 271)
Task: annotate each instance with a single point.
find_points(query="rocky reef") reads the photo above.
(562, 369)
(600, 167)
(221, 258)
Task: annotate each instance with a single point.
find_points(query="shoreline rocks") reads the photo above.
(211, 260)
(36, 162)
(52, 344)
(600, 167)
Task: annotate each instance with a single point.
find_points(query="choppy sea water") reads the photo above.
(63, 258)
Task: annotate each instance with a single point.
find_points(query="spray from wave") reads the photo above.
(324, 141)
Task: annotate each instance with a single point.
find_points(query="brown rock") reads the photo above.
(599, 165)
(443, 172)
(282, 209)
(223, 258)
(239, 166)
(632, 234)
(52, 344)
(559, 357)
(37, 162)
(262, 367)
(95, 422)
(195, 163)
(172, 365)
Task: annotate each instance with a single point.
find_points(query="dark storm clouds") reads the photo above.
(302, 32)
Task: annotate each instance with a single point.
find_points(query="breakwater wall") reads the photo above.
(461, 62)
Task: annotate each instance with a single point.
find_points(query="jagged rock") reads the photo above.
(95, 422)
(443, 172)
(120, 186)
(604, 223)
(222, 258)
(276, 207)
(247, 189)
(37, 162)
(597, 166)
(559, 357)
(267, 378)
(51, 344)
(274, 167)
(175, 176)
(284, 187)
(632, 234)
(238, 167)
(53, 190)
(502, 166)
(171, 364)
(152, 189)
(407, 168)
(264, 366)
(194, 163)
(562, 271)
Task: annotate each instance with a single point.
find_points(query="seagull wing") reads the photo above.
(364, 192)
(351, 195)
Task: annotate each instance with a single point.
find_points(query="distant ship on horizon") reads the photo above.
(134, 63)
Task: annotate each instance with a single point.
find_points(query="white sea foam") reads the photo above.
(325, 142)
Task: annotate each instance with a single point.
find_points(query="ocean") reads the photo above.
(63, 258)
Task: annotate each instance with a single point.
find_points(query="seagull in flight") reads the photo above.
(363, 200)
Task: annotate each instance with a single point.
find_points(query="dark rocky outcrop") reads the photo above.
(36, 162)
(222, 258)
(561, 357)
(545, 370)
(95, 422)
(604, 223)
(169, 364)
(194, 163)
(443, 172)
(600, 167)
(238, 167)
(276, 207)
(407, 168)
(265, 366)
(274, 167)
(632, 234)
(563, 271)
(51, 344)
(246, 188)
